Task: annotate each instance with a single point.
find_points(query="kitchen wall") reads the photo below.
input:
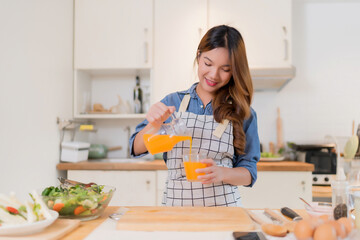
(36, 83)
(35, 87)
(324, 96)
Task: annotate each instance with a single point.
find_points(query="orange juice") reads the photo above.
(163, 143)
(190, 167)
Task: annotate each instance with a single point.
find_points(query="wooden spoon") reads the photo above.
(268, 228)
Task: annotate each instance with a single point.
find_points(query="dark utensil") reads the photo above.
(69, 183)
(290, 213)
(97, 151)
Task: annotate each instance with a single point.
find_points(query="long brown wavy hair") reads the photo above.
(233, 100)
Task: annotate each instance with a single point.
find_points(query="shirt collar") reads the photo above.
(191, 91)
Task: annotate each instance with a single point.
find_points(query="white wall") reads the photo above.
(35, 87)
(324, 98)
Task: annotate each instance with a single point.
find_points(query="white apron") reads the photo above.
(216, 141)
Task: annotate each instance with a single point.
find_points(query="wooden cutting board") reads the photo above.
(57, 230)
(185, 219)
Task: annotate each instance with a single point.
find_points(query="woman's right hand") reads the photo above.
(158, 113)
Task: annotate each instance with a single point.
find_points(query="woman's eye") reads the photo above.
(226, 70)
(207, 64)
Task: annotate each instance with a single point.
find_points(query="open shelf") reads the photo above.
(110, 116)
(113, 89)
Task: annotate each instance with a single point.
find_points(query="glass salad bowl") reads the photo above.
(83, 202)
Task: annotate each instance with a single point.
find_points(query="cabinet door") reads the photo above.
(264, 24)
(161, 176)
(133, 188)
(278, 189)
(179, 26)
(113, 34)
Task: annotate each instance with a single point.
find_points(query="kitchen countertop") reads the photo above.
(160, 165)
(87, 227)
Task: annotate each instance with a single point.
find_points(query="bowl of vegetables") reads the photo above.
(80, 201)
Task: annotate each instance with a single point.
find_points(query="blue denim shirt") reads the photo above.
(252, 148)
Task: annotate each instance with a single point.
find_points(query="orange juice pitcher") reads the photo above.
(167, 137)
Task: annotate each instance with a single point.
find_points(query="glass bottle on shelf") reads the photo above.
(138, 97)
(354, 182)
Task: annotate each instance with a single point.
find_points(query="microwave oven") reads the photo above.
(324, 158)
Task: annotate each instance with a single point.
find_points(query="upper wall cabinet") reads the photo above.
(264, 24)
(179, 27)
(113, 34)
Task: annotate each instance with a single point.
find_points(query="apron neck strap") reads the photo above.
(184, 103)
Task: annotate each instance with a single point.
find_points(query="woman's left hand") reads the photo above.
(213, 173)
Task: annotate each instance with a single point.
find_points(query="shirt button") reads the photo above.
(202, 106)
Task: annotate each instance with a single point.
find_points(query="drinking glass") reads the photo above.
(191, 163)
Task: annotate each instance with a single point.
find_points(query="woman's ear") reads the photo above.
(198, 56)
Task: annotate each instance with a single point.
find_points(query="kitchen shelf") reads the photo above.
(110, 88)
(110, 116)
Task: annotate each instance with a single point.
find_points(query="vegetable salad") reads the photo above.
(77, 200)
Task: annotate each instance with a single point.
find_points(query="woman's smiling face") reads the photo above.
(214, 70)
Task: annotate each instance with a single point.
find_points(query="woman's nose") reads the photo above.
(214, 73)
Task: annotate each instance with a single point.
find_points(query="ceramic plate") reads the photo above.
(264, 159)
(28, 228)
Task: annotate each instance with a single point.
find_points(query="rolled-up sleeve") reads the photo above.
(132, 138)
(252, 148)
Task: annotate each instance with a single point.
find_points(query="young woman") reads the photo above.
(223, 125)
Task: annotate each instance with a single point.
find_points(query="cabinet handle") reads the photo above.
(147, 181)
(286, 45)
(303, 185)
(146, 48)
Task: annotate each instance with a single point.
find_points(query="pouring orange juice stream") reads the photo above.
(156, 143)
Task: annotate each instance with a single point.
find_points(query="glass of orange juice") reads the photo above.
(191, 163)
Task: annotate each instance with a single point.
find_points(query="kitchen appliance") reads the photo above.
(324, 158)
(74, 151)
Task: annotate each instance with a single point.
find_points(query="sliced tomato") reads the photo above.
(12, 210)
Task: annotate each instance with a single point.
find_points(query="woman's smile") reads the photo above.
(210, 82)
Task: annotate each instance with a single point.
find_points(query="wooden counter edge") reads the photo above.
(88, 165)
(285, 166)
(160, 165)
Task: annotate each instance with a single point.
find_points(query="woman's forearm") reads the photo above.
(237, 176)
(139, 145)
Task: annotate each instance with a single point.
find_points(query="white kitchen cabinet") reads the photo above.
(178, 29)
(133, 188)
(161, 176)
(113, 34)
(273, 189)
(264, 24)
(277, 189)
